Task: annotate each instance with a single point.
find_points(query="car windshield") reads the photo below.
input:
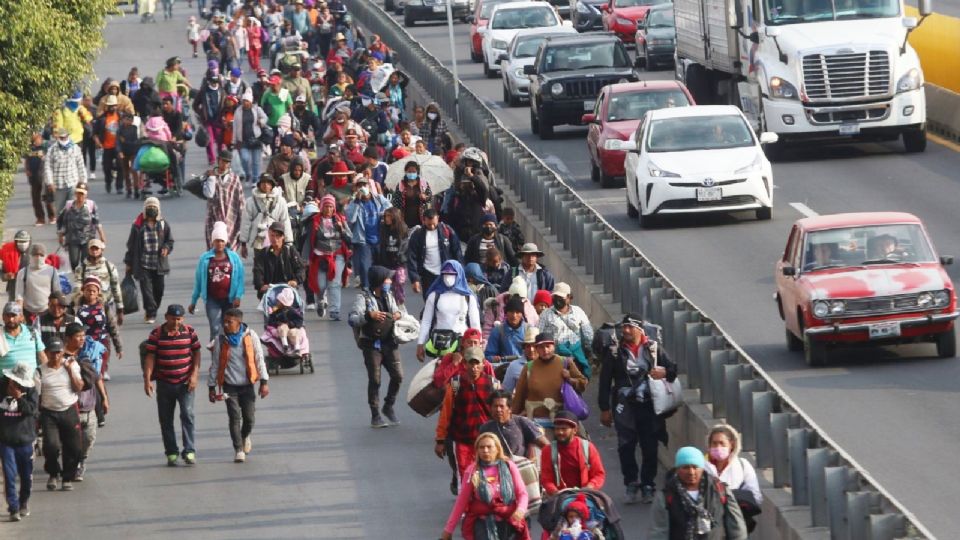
(515, 19)
(660, 18)
(699, 133)
(631, 3)
(487, 7)
(587, 56)
(779, 12)
(866, 246)
(527, 47)
(633, 105)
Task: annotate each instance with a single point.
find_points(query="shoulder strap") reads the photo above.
(721, 491)
(555, 459)
(585, 446)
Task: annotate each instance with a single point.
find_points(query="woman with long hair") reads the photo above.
(393, 250)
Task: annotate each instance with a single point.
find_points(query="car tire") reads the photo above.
(765, 213)
(814, 352)
(607, 181)
(648, 64)
(509, 98)
(546, 128)
(648, 221)
(915, 141)
(947, 343)
(388, 5)
(399, 10)
(534, 124)
(487, 72)
(794, 344)
(408, 20)
(475, 57)
(632, 211)
(595, 174)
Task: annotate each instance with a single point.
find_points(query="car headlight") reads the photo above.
(498, 44)
(837, 307)
(754, 166)
(556, 89)
(941, 298)
(657, 172)
(779, 88)
(924, 300)
(610, 144)
(910, 81)
(518, 73)
(624, 22)
(820, 309)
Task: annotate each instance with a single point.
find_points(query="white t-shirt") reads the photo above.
(431, 260)
(56, 390)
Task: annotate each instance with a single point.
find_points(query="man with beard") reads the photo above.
(571, 462)
(225, 202)
(23, 344)
(518, 435)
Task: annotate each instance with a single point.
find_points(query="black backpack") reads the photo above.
(88, 374)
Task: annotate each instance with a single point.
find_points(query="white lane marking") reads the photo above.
(804, 209)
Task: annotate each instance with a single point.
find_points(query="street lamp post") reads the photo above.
(453, 58)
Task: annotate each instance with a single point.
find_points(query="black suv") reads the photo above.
(568, 74)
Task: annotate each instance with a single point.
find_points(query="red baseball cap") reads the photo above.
(472, 333)
(274, 80)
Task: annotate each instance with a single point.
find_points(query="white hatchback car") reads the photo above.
(522, 51)
(704, 158)
(508, 19)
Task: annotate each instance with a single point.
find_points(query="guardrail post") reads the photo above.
(667, 307)
(798, 441)
(593, 246)
(780, 423)
(681, 321)
(698, 371)
(748, 438)
(718, 361)
(818, 459)
(858, 513)
(886, 526)
(732, 375)
(645, 287)
(655, 307)
(694, 330)
(838, 480)
(631, 298)
(599, 250)
(762, 407)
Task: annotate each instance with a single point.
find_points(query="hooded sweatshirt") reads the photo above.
(739, 473)
(18, 417)
(449, 308)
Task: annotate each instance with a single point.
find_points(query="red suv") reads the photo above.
(622, 16)
(616, 116)
(871, 278)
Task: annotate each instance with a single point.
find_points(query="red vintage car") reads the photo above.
(861, 278)
(616, 116)
(621, 17)
(481, 13)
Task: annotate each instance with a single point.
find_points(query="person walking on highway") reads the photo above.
(428, 248)
(393, 250)
(173, 360)
(147, 258)
(536, 276)
(449, 310)
(327, 248)
(364, 212)
(63, 168)
(105, 129)
(506, 338)
(625, 403)
(570, 326)
(538, 394)
(208, 105)
(218, 280)
(264, 207)
(519, 436)
(487, 238)
(77, 224)
(92, 401)
(54, 323)
(35, 283)
(276, 263)
(373, 316)
(99, 321)
(23, 344)
(695, 504)
(33, 167)
(556, 472)
(96, 265)
(237, 366)
(19, 404)
(14, 256)
(724, 462)
(225, 201)
(60, 385)
(248, 123)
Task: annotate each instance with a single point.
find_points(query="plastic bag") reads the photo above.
(128, 289)
(153, 159)
(667, 396)
(201, 137)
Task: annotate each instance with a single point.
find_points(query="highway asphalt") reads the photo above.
(317, 470)
(893, 409)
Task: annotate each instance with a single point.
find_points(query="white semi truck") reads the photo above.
(807, 69)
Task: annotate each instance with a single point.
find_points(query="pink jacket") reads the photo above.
(158, 130)
(492, 315)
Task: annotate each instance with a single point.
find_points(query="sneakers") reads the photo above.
(632, 493)
(190, 458)
(390, 414)
(311, 306)
(52, 483)
(646, 494)
(15, 516)
(92, 176)
(102, 422)
(150, 319)
(66, 486)
(321, 309)
(377, 422)
(106, 375)
(24, 511)
(81, 468)
(172, 460)
(247, 444)
(334, 316)
(240, 457)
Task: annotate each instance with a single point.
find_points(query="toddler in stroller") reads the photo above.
(580, 514)
(576, 523)
(284, 338)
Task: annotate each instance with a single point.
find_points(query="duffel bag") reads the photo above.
(531, 479)
(423, 397)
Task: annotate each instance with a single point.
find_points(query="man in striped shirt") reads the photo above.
(173, 359)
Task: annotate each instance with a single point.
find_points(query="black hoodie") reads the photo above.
(19, 428)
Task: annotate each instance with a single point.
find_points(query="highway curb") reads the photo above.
(943, 112)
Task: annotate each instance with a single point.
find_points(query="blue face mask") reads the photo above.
(412, 176)
(386, 287)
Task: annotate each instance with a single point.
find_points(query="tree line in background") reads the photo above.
(46, 48)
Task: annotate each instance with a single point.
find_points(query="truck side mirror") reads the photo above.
(529, 70)
(789, 271)
(946, 260)
(925, 7)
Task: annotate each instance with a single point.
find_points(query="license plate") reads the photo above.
(588, 105)
(439, 9)
(849, 128)
(884, 330)
(708, 194)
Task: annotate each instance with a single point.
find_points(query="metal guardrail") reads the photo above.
(841, 494)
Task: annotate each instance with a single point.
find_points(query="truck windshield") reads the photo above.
(594, 55)
(866, 246)
(688, 133)
(779, 12)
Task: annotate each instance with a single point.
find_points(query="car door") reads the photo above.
(596, 127)
(631, 163)
(787, 285)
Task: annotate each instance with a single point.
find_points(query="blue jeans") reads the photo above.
(201, 4)
(251, 160)
(215, 309)
(168, 397)
(17, 461)
(362, 261)
(332, 286)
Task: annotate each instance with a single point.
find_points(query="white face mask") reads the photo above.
(449, 280)
(432, 115)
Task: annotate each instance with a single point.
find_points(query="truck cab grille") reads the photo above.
(847, 76)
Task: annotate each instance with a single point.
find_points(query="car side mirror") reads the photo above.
(769, 137)
(588, 118)
(502, 58)
(789, 271)
(529, 70)
(946, 260)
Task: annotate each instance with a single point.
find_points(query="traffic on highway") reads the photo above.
(839, 124)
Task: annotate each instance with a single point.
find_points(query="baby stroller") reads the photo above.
(283, 350)
(601, 508)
